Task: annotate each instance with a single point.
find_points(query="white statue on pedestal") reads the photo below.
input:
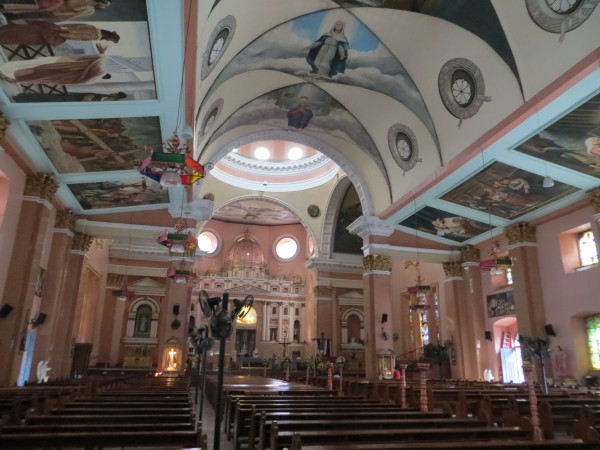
(42, 372)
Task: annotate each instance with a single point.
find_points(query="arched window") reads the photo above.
(296, 330)
(353, 328)
(143, 318)
(592, 325)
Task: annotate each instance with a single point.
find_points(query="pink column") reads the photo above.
(169, 335)
(25, 265)
(452, 324)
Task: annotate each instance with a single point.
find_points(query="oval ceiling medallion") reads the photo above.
(403, 146)
(560, 16)
(217, 44)
(209, 120)
(462, 88)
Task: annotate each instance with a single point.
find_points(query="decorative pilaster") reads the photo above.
(4, 124)
(40, 185)
(114, 279)
(82, 242)
(323, 291)
(520, 233)
(469, 254)
(379, 263)
(453, 270)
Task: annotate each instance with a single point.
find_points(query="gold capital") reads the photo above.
(594, 199)
(4, 124)
(65, 219)
(40, 185)
(322, 291)
(82, 242)
(377, 262)
(469, 253)
(114, 279)
(520, 233)
(452, 269)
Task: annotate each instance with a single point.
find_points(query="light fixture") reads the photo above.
(182, 274)
(173, 166)
(548, 182)
(187, 132)
(179, 242)
(497, 263)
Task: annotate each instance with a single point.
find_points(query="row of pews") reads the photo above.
(458, 416)
(140, 412)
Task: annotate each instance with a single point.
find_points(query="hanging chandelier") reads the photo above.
(173, 166)
(182, 274)
(179, 243)
(497, 263)
(420, 289)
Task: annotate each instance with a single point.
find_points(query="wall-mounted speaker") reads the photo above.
(176, 308)
(549, 329)
(384, 318)
(5, 310)
(39, 320)
(488, 335)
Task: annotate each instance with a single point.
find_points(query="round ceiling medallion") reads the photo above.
(217, 44)
(462, 88)
(560, 16)
(403, 146)
(313, 211)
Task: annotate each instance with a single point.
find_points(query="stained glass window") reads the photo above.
(592, 325)
(588, 253)
(509, 276)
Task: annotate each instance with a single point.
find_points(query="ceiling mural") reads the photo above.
(302, 106)
(77, 53)
(97, 145)
(444, 224)
(353, 55)
(477, 16)
(256, 211)
(114, 194)
(506, 191)
(573, 141)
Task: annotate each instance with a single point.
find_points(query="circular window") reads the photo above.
(560, 16)
(286, 248)
(262, 153)
(295, 153)
(208, 242)
(217, 44)
(461, 88)
(403, 146)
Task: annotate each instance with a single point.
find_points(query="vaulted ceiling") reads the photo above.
(445, 115)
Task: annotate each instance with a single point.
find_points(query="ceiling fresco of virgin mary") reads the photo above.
(330, 47)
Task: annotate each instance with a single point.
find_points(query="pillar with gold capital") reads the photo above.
(376, 277)
(62, 353)
(452, 323)
(527, 284)
(173, 331)
(54, 285)
(23, 289)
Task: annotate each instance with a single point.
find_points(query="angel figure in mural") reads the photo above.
(327, 55)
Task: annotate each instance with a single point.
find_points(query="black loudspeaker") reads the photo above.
(384, 318)
(488, 335)
(549, 329)
(39, 320)
(5, 310)
(176, 309)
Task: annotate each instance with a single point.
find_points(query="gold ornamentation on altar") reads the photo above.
(322, 291)
(452, 269)
(4, 124)
(520, 233)
(40, 185)
(377, 262)
(114, 279)
(594, 199)
(469, 253)
(82, 242)
(65, 219)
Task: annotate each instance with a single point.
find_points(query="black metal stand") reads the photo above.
(203, 384)
(222, 341)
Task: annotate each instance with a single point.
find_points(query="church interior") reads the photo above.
(376, 182)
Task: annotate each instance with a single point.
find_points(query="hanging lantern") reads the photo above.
(179, 242)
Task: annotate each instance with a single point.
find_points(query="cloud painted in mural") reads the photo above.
(302, 106)
(114, 194)
(366, 63)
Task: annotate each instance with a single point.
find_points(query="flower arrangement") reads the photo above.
(340, 360)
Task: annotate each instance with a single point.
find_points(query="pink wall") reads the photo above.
(12, 185)
(568, 297)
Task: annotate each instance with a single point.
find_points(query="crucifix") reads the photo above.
(285, 344)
